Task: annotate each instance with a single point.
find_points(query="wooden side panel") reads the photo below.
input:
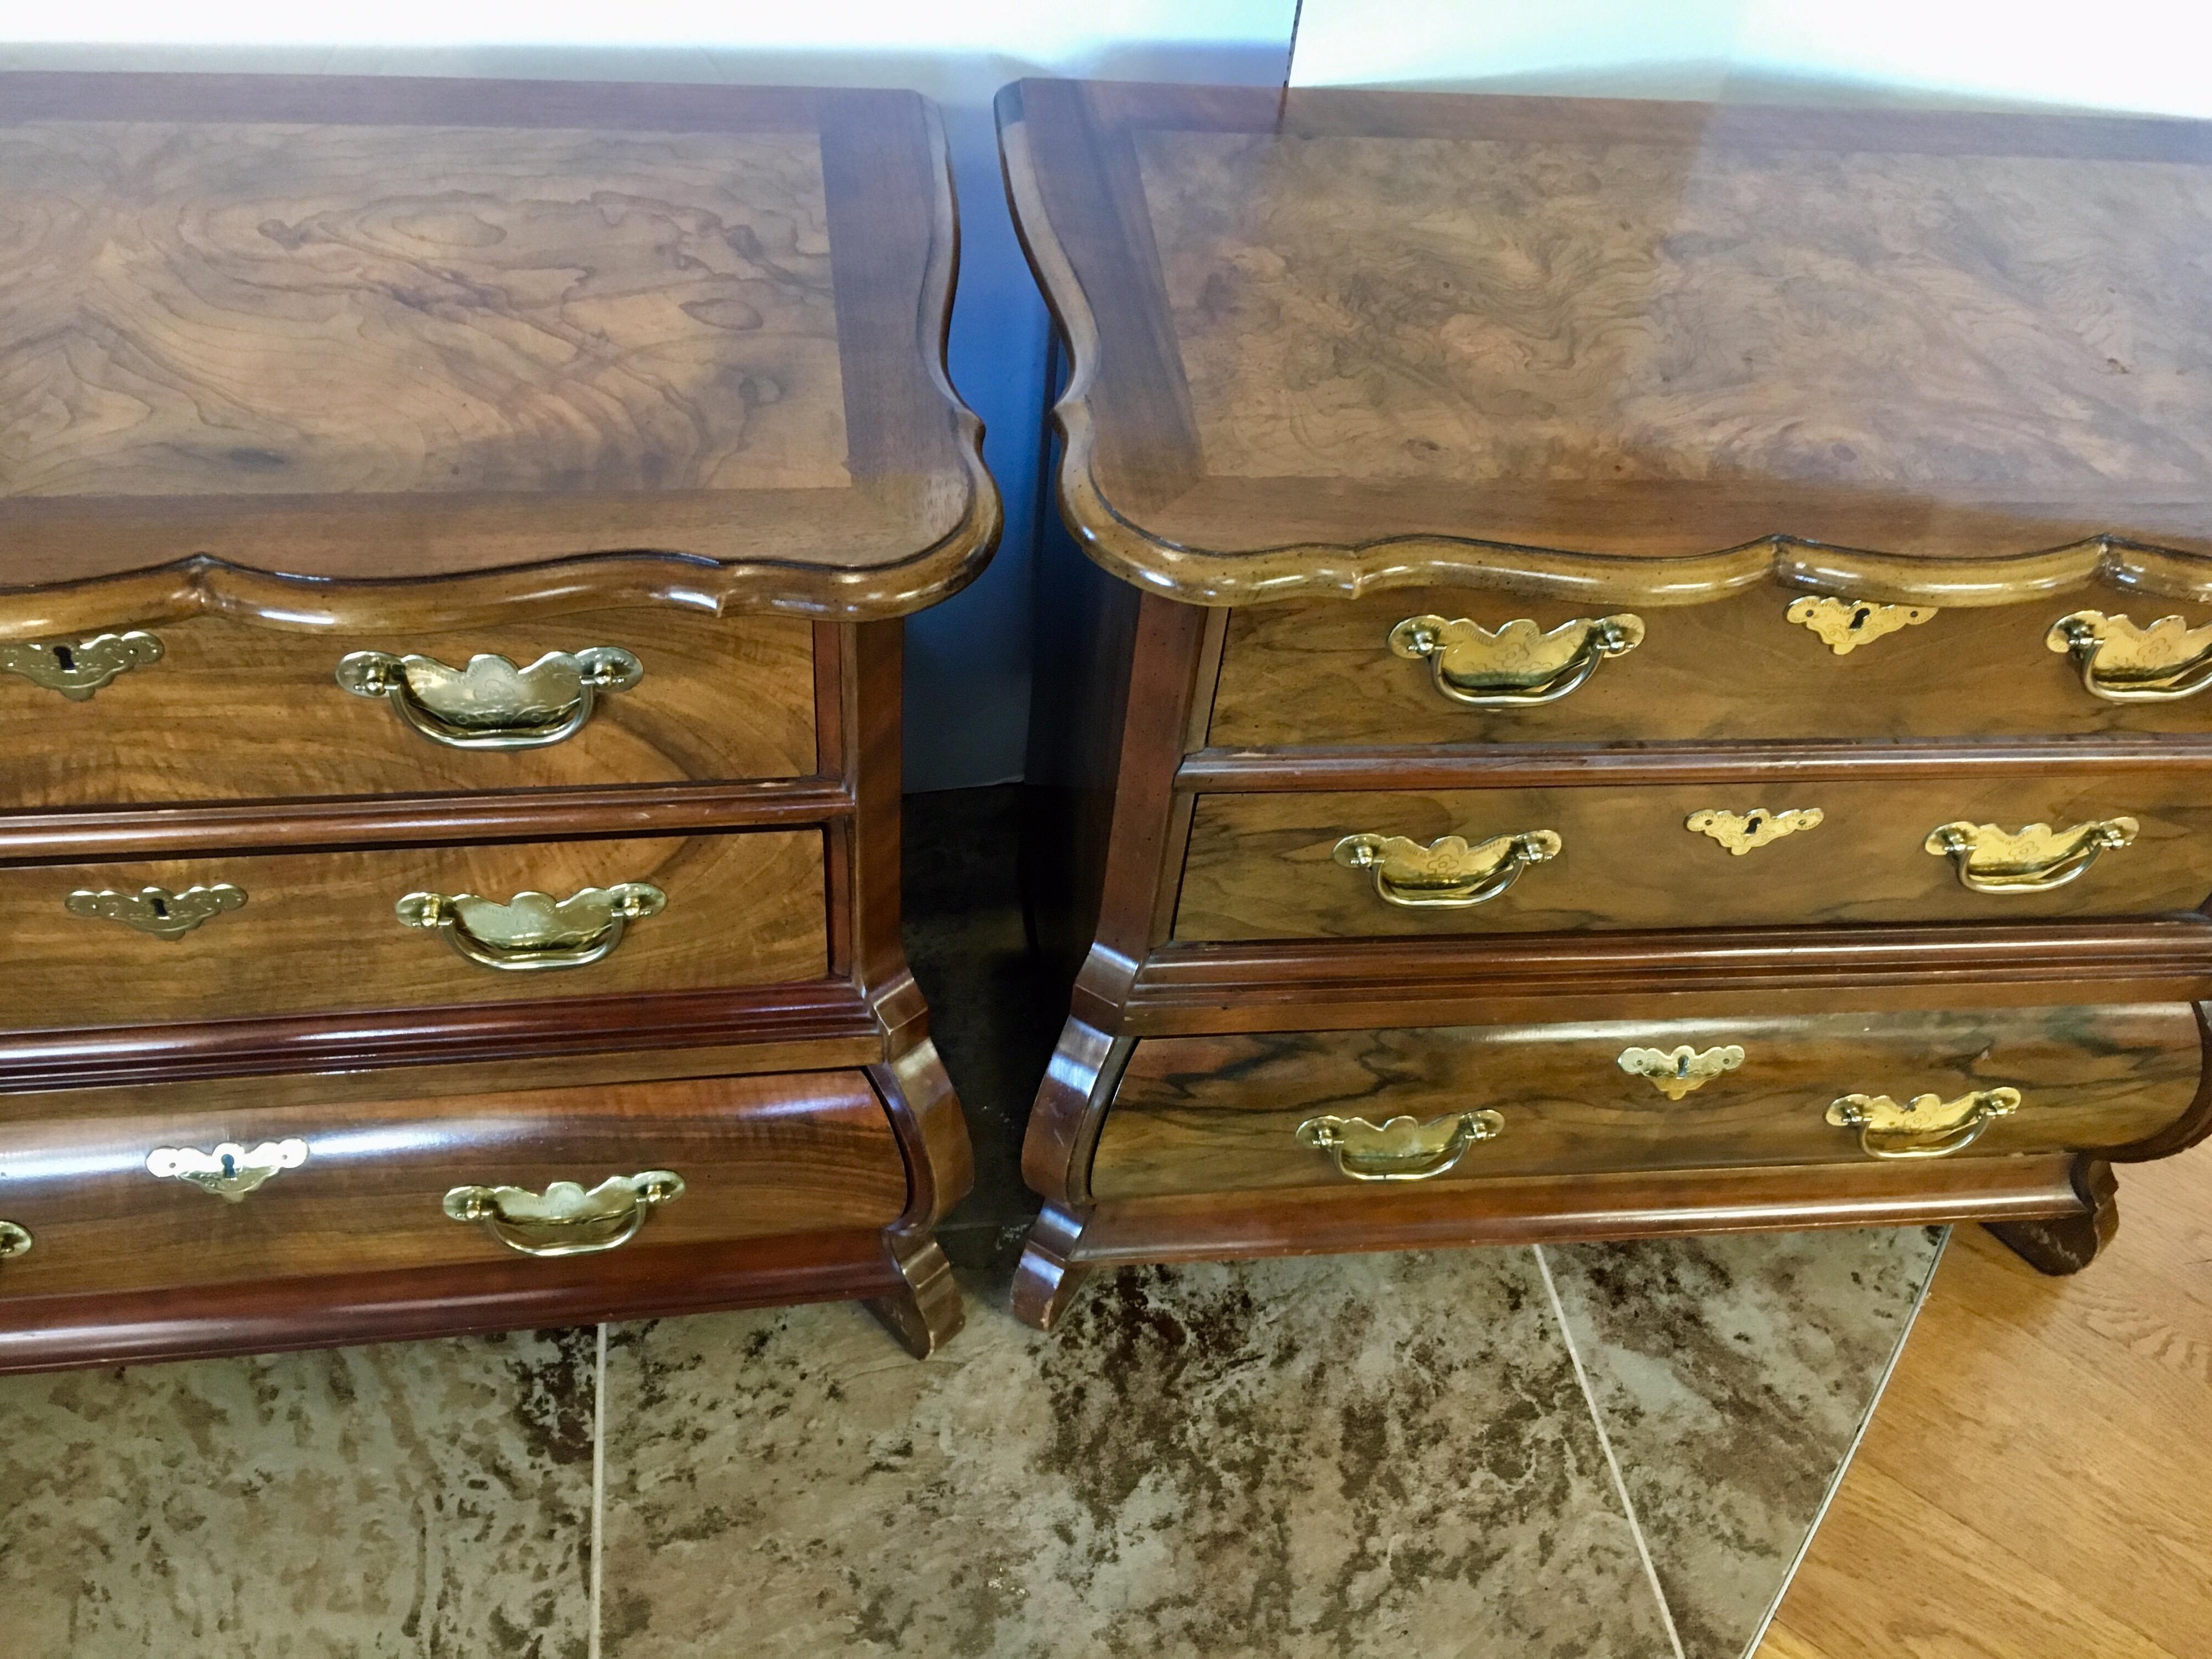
(317, 932)
(1220, 1113)
(1259, 864)
(759, 1157)
(236, 711)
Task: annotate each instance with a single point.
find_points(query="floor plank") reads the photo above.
(2048, 1444)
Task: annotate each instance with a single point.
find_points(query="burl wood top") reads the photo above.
(379, 328)
(1343, 339)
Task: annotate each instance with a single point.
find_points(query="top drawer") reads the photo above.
(211, 707)
(1766, 664)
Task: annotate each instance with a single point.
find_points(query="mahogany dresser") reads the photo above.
(1642, 668)
(452, 541)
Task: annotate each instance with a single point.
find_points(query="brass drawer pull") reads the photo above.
(1519, 666)
(491, 703)
(1675, 1072)
(1399, 1150)
(1926, 1125)
(78, 671)
(2034, 860)
(156, 910)
(14, 1240)
(564, 1219)
(533, 930)
(2121, 662)
(1843, 625)
(230, 1171)
(1446, 874)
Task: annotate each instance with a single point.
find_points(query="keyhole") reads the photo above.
(1859, 615)
(160, 908)
(65, 659)
(1752, 823)
(229, 1166)
(1681, 1065)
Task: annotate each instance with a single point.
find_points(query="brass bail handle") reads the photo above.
(2120, 661)
(1447, 874)
(1926, 1125)
(2034, 860)
(565, 1220)
(533, 931)
(1518, 664)
(1401, 1149)
(491, 703)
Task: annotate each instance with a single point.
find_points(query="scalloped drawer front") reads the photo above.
(1216, 1114)
(1267, 866)
(321, 932)
(363, 1188)
(1326, 672)
(236, 710)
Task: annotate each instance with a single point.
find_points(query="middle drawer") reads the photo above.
(1265, 866)
(309, 932)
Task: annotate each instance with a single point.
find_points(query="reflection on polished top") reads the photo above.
(1305, 325)
(393, 328)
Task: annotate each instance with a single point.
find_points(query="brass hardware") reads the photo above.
(1741, 831)
(156, 910)
(2034, 860)
(1926, 1125)
(533, 930)
(1518, 665)
(1675, 1072)
(1399, 1150)
(1446, 874)
(565, 1220)
(1843, 625)
(2121, 662)
(13, 1240)
(491, 703)
(78, 671)
(230, 1171)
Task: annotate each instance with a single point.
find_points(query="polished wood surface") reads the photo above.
(1259, 866)
(2069, 1533)
(1336, 339)
(1323, 671)
(239, 711)
(759, 1156)
(317, 933)
(368, 329)
(1196, 1115)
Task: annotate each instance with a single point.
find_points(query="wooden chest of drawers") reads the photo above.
(453, 542)
(1637, 670)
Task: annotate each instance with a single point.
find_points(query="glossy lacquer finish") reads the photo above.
(449, 641)
(1568, 580)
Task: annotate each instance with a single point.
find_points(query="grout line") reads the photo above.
(1852, 1451)
(1612, 1462)
(599, 1488)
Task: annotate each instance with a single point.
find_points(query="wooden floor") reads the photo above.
(2036, 1483)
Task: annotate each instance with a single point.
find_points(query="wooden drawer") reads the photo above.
(1324, 671)
(1206, 1114)
(364, 1186)
(1265, 866)
(318, 932)
(233, 710)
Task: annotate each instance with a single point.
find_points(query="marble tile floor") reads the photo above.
(1582, 1452)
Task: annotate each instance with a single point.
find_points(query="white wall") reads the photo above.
(2139, 55)
(968, 661)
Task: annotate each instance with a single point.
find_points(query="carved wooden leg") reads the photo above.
(2068, 1243)
(1049, 1278)
(928, 1311)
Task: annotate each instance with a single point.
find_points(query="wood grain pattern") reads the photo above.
(1218, 1113)
(1259, 866)
(317, 934)
(759, 1157)
(233, 710)
(1423, 337)
(1323, 672)
(389, 328)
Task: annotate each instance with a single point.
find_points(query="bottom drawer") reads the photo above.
(1214, 1113)
(134, 1204)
